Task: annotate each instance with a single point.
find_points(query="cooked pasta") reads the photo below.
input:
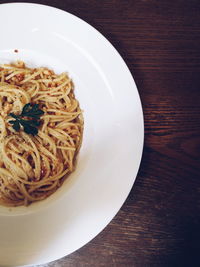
(33, 166)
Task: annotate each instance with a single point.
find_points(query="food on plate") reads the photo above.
(41, 128)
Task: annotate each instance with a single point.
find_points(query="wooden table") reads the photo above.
(159, 224)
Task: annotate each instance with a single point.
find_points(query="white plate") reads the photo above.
(113, 136)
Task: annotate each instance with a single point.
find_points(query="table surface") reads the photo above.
(159, 223)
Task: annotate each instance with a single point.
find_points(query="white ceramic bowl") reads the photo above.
(113, 137)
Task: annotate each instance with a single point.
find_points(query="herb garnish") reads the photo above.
(29, 119)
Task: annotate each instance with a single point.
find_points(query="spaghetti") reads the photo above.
(34, 167)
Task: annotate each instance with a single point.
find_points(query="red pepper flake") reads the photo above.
(16, 51)
(43, 172)
(20, 77)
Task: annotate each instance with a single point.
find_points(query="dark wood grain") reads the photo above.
(159, 224)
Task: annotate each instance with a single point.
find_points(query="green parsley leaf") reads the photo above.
(32, 111)
(29, 119)
(16, 126)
